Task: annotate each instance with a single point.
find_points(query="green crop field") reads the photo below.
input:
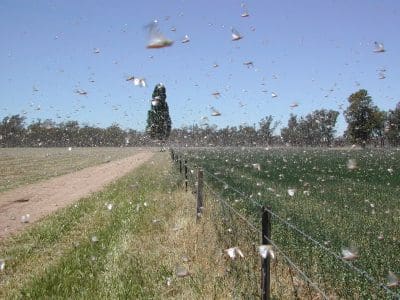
(340, 198)
(19, 166)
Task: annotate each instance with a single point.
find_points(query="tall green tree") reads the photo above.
(290, 133)
(320, 126)
(315, 129)
(267, 128)
(362, 117)
(114, 136)
(378, 132)
(12, 131)
(158, 119)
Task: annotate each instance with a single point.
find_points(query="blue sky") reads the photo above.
(315, 53)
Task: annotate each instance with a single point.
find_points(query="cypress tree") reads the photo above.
(158, 119)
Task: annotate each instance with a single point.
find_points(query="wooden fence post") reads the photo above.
(186, 176)
(199, 202)
(265, 263)
(180, 165)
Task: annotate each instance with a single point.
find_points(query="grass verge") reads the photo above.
(138, 249)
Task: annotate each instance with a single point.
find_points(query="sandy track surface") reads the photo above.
(45, 197)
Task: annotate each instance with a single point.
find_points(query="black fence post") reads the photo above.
(180, 165)
(186, 176)
(199, 202)
(265, 263)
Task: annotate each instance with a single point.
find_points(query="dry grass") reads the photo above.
(19, 166)
(177, 240)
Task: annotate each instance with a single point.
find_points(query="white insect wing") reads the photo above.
(239, 252)
(351, 164)
(156, 38)
(25, 218)
(168, 281)
(346, 253)
(291, 192)
(139, 82)
(234, 252)
(231, 252)
(393, 280)
(265, 250)
(349, 254)
(2, 264)
(186, 39)
(181, 271)
(245, 13)
(236, 35)
(215, 113)
(379, 47)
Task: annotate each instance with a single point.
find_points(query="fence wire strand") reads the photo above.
(310, 238)
(257, 230)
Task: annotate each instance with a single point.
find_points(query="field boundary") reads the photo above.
(196, 178)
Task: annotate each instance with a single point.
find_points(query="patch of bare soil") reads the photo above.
(40, 199)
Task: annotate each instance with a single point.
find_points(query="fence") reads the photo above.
(196, 177)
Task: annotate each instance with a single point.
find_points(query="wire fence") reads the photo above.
(276, 248)
(319, 292)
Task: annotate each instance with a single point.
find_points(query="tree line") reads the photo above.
(366, 124)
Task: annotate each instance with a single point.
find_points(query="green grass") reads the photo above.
(57, 258)
(140, 242)
(343, 207)
(20, 166)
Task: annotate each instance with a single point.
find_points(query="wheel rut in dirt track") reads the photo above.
(42, 198)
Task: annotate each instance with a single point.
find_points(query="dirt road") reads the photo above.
(43, 198)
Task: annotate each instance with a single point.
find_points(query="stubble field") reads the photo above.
(20, 166)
